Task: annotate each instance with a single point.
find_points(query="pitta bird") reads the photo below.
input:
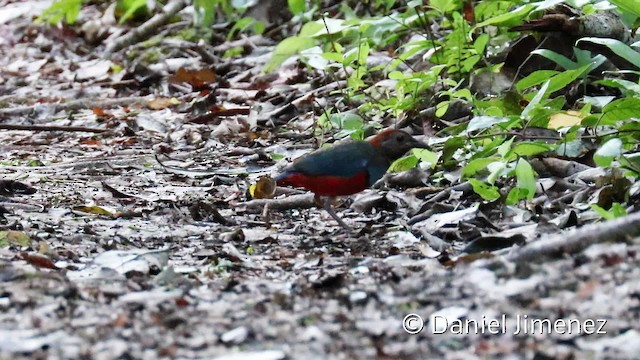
(347, 168)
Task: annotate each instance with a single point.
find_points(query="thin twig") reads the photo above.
(619, 229)
(147, 29)
(75, 105)
(51, 128)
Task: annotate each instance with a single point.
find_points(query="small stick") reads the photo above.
(51, 128)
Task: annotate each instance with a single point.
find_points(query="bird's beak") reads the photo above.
(417, 144)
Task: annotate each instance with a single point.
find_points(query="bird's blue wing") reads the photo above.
(345, 160)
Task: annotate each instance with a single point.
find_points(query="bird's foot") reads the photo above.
(329, 208)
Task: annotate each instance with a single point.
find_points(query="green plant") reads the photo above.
(67, 10)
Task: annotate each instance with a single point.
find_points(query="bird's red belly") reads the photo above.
(328, 185)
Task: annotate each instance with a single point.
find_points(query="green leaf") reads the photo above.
(628, 6)
(443, 6)
(204, 12)
(131, 6)
(559, 59)
(627, 85)
(427, 156)
(526, 177)
(481, 43)
(476, 165)
(504, 148)
(483, 122)
(607, 152)
(602, 212)
(486, 191)
(451, 146)
(535, 78)
(616, 211)
(533, 104)
(556, 82)
(528, 149)
(516, 194)
(311, 28)
(496, 169)
(621, 109)
(296, 6)
(285, 49)
(566, 77)
(363, 53)
(631, 161)
(618, 47)
(404, 163)
(61, 9)
(513, 16)
(441, 108)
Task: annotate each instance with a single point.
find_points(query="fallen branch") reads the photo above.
(302, 201)
(574, 241)
(51, 128)
(75, 105)
(147, 29)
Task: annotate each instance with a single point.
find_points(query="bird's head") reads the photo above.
(392, 143)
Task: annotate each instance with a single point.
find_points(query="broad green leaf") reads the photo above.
(631, 161)
(526, 177)
(483, 122)
(602, 212)
(131, 7)
(529, 149)
(566, 77)
(486, 191)
(451, 146)
(363, 53)
(441, 108)
(61, 9)
(627, 85)
(618, 210)
(204, 12)
(535, 78)
(333, 26)
(427, 156)
(510, 17)
(607, 152)
(287, 48)
(618, 47)
(516, 194)
(404, 163)
(546, 4)
(535, 101)
(311, 28)
(315, 58)
(481, 43)
(504, 148)
(476, 165)
(628, 6)
(559, 59)
(296, 6)
(496, 169)
(621, 109)
(556, 82)
(443, 6)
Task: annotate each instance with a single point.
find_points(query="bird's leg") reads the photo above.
(327, 206)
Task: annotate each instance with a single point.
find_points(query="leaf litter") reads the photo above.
(146, 241)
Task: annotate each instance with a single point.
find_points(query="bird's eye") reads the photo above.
(399, 138)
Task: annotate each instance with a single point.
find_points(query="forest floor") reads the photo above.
(140, 240)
